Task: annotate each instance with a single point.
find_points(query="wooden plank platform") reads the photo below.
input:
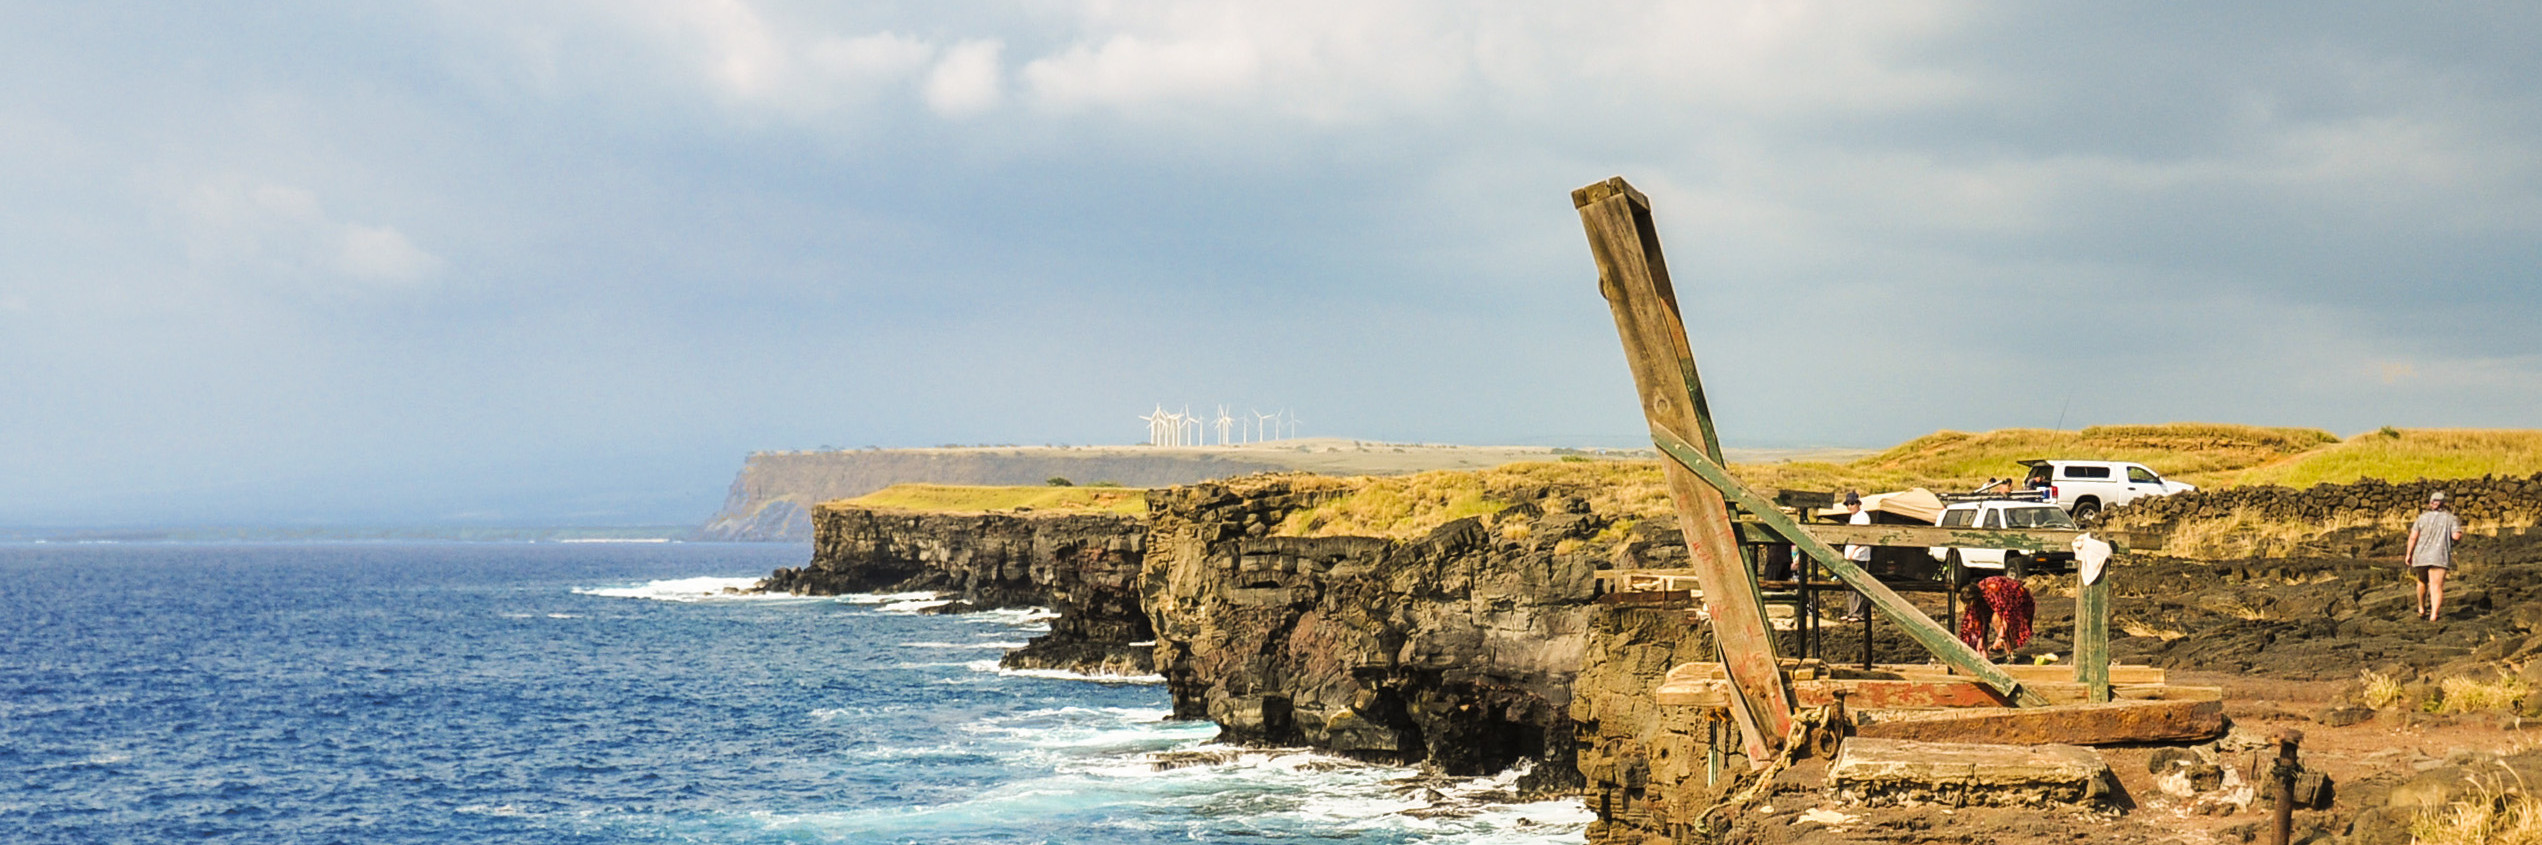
(1917, 687)
(2084, 723)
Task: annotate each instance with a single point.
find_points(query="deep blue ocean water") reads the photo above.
(466, 692)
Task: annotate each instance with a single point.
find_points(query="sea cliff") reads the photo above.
(1084, 566)
(1455, 649)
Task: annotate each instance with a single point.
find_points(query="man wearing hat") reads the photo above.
(1856, 605)
(2430, 553)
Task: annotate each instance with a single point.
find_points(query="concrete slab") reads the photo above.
(1877, 771)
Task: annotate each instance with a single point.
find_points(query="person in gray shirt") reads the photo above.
(2430, 553)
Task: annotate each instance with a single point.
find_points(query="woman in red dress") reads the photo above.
(2002, 604)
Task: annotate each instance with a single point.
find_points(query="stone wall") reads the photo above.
(1085, 566)
(1457, 649)
(2368, 518)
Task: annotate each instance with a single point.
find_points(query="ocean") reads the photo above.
(609, 692)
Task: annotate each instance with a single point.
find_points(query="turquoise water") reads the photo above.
(605, 693)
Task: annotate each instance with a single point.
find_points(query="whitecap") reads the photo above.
(885, 598)
(703, 588)
(1065, 675)
(914, 606)
(989, 644)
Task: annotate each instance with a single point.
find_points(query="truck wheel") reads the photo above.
(2017, 566)
(2085, 509)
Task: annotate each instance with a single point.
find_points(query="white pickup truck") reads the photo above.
(2084, 488)
(2003, 513)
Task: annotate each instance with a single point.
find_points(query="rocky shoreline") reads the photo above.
(1479, 645)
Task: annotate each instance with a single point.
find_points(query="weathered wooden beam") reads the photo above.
(1926, 693)
(1939, 641)
(2029, 674)
(1633, 276)
(2092, 637)
(2110, 723)
(1754, 531)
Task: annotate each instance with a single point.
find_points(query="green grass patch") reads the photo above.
(955, 498)
(2409, 455)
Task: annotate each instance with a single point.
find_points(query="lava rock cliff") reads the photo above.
(1456, 648)
(1085, 566)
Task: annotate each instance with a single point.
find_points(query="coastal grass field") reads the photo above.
(964, 498)
(2209, 455)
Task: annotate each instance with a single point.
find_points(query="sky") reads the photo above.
(542, 262)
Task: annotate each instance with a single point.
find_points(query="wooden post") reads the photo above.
(1939, 641)
(1634, 277)
(2092, 636)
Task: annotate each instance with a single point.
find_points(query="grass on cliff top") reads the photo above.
(1407, 506)
(954, 498)
(2204, 454)
(2408, 455)
(1411, 505)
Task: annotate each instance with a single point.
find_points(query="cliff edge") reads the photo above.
(1456, 649)
(1084, 565)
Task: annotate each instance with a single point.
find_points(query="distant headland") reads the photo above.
(772, 498)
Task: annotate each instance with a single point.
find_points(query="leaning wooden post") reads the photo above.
(1634, 277)
(2092, 617)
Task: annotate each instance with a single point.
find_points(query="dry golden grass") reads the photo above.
(2378, 690)
(2409, 455)
(2241, 535)
(1406, 506)
(2141, 628)
(2205, 454)
(2492, 815)
(2473, 695)
(954, 498)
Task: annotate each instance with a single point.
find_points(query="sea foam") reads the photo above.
(704, 588)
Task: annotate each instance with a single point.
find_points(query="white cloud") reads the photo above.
(1127, 69)
(380, 252)
(279, 233)
(880, 55)
(728, 39)
(967, 81)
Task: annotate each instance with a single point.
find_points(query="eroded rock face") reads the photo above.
(1085, 566)
(1647, 768)
(1457, 648)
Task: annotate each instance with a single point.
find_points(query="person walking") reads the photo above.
(1997, 615)
(1856, 605)
(2430, 554)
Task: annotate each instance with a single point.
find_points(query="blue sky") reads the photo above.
(567, 262)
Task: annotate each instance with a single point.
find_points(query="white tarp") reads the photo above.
(1915, 503)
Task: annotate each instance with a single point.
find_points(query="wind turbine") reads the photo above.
(1267, 425)
(1156, 426)
(1224, 422)
(1191, 423)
